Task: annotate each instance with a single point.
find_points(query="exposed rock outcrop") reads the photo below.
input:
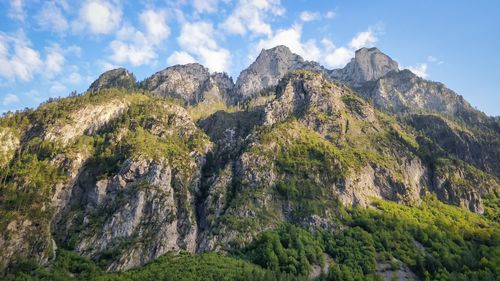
(87, 120)
(116, 78)
(367, 65)
(9, 144)
(191, 83)
(269, 67)
(141, 213)
(309, 115)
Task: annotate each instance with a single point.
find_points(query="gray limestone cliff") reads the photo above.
(367, 65)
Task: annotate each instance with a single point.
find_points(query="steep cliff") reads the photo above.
(367, 65)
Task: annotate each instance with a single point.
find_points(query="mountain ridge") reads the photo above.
(125, 174)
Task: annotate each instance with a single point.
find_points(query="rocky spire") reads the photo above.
(367, 65)
(270, 66)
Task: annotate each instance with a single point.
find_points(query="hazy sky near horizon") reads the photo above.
(50, 48)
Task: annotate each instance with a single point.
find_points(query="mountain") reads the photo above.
(294, 172)
(191, 83)
(431, 108)
(269, 67)
(367, 65)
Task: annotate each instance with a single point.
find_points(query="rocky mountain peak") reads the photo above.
(115, 78)
(270, 66)
(179, 81)
(368, 64)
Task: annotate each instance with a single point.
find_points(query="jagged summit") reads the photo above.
(270, 66)
(368, 64)
(179, 81)
(115, 78)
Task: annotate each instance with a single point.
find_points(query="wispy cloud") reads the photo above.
(10, 99)
(140, 47)
(18, 60)
(419, 70)
(250, 15)
(292, 38)
(306, 16)
(206, 6)
(16, 10)
(180, 57)
(51, 17)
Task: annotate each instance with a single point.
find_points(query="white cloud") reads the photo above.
(106, 65)
(16, 10)
(434, 60)
(58, 88)
(198, 39)
(73, 49)
(50, 17)
(74, 78)
(134, 53)
(155, 23)
(306, 16)
(180, 58)
(17, 59)
(99, 17)
(10, 99)
(209, 6)
(339, 57)
(249, 15)
(54, 61)
(363, 39)
(419, 70)
(291, 38)
(138, 47)
(34, 95)
(330, 14)
(327, 54)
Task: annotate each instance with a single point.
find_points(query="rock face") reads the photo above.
(375, 76)
(367, 65)
(147, 207)
(403, 91)
(191, 83)
(313, 99)
(311, 116)
(9, 144)
(145, 201)
(269, 67)
(479, 147)
(327, 117)
(87, 120)
(116, 78)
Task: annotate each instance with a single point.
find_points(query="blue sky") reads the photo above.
(49, 48)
